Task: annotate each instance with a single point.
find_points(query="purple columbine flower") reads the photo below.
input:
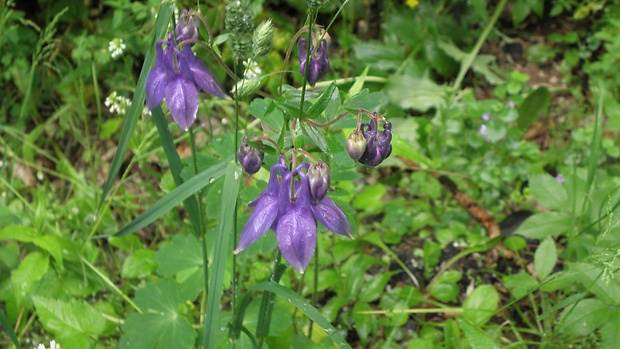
(187, 28)
(177, 76)
(250, 158)
(288, 207)
(378, 147)
(319, 180)
(319, 63)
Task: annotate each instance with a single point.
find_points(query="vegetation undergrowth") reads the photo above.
(309, 174)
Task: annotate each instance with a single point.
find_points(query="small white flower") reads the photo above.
(252, 70)
(117, 104)
(116, 47)
(40, 176)
(53, 345)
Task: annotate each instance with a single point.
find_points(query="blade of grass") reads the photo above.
(9, 330)
(174, 198)
(222, 251)
(163, 18)
(110, 284)
(191, 204)
(305, 308)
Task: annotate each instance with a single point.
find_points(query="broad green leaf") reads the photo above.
(364, 100)
(548, 191)
(477, 339)
(7, 217)
(139, 264)
(265, 110)
(280, 317)
(480, 305)
(536, 102)
(305, 308)
(421, 94)
(445, 288)
(610, 332)
(590, 276)
(181, 254)
(583, 319)
(75, 324)
(319, 106)
(365, 324)
(545, 258)
(30, 270)
(49, 243)
(137, 104)
(401, 147)
(174, 198)
(520, 10)
(370, 199)
(230, 192)
(542, 225)
(515, 243)
(374, 287)
(159, 326)
(520, 285)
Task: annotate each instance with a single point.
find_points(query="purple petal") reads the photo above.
(296, 235)
(157, 79)
(264, 215)
(319, 64)
(332, 217)
(182, 99)
(201, 75)
(302, 45)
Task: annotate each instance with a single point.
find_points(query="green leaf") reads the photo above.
(420, 94)
(182, 254)
(305, 308)
(480, 305)
(161, 25)
(9, 329)
(515, 243)
(174, 198)
(49, 243)
(583, 319)
(265, 110)
(548, 191)
(139, 264)
(30, 270)
(74, 323)
(159, 326)
(7, 217)
(176, 166)
(520, 285)
(545, 258)
(477, 339)
(542, 225)
(536, 102)
(572, 299)
(364, 100)
(610, 332)
(370, 199)
(375, 287)
(356, 88)
(222, 251)
(317, 137)
(365, 324)
(520, 10)
(319, 106)
(605, 289)
(445, 288)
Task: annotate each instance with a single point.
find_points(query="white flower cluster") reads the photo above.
(116, 47)
(117, 104)
(252, 70)
(53, 345)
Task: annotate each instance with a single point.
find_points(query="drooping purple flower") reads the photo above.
(287, 207)
(378, 147)
(187, 27)
(178, 75)
(265, 212)
(251, 159)
(319, 62)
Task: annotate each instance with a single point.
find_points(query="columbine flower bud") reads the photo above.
(319, 63)
(356, 145)
(379, 145)
(251, 159)
(319, 180)
(262, 39)
(187, 28)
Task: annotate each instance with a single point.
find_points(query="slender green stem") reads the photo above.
(315, 290)
(474, 53)
(235, 289)
(266, 305)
